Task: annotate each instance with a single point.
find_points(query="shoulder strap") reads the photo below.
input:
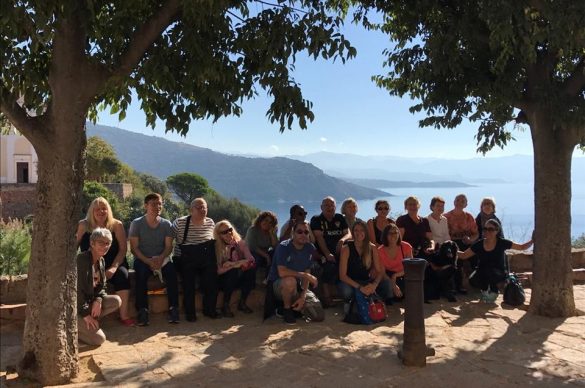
(186, 229)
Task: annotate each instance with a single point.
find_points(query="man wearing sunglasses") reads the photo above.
(297, 214)
(290, 276)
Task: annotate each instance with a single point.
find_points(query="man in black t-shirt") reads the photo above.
(330, 231)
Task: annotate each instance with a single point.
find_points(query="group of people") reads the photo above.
(305, 264)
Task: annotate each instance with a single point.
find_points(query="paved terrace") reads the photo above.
(477, 345)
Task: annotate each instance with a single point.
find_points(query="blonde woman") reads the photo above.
(99, 215)
(359, 266)
(235, 266)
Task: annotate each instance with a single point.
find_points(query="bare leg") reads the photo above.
(289, 290)
(124, 296)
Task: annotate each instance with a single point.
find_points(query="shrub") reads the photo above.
(579, 242)
(15, 247)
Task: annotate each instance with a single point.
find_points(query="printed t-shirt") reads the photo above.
(292, 258)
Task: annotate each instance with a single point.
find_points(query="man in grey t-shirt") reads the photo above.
(151, 242)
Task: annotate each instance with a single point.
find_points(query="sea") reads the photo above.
(514, 205)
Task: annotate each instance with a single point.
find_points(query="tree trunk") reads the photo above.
(50, 332)
(552, 285)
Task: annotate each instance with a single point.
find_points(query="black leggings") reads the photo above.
(236, 278)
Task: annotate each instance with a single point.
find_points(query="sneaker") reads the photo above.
(173, 315)
(279, 312)
(289, 316)
(143, 317)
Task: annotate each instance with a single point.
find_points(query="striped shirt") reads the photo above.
(197, 234)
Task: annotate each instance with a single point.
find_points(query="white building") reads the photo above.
(18, 160)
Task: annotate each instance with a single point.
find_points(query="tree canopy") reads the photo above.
(188, 186)
(487, 62)
(183, 60)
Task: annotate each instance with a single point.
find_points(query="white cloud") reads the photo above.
(323, 139)
(274, 148)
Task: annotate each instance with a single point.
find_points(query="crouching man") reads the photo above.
(290, 276)
(92, 300)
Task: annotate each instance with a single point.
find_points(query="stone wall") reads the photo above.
(17, 200)
(122, 190)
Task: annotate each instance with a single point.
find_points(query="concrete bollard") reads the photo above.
(414, 349)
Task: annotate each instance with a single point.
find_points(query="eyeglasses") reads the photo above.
(490, 230)
(392, 233)
(201, 207)
(383, 208)
(103, 243)
(298, 231)
(228, 230)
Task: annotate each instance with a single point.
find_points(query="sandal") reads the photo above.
(129, 322)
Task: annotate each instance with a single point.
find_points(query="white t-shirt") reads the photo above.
(440, 229)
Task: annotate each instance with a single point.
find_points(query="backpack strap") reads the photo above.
(186, 229)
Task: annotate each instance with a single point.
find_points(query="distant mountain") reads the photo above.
(516, 168)
(386, 184)
(246, 178)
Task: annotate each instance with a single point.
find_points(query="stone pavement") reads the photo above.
(477, 345)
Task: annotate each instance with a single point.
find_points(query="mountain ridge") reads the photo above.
(248, 179)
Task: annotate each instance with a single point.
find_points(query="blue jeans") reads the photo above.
(143, 272)
(384, 289)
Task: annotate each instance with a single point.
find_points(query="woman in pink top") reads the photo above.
(391, 253)
(235, 266)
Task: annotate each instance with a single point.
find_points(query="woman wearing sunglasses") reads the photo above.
(377, 224)
(490, 274)
(235, 266)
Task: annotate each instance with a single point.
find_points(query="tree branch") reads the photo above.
(576, 82)
(144, 37)
(17, 115)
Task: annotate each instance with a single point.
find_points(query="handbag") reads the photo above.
(376, 309)
(514, 294)
(199, 254)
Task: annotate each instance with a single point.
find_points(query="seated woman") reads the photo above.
(392, 251)
(490, 273)
(359, 266)
(235, 266)
(415, 229)
(349, 209)
(487, 212)
(377, 224)
(92, 300)
(99, 215)
(261, 238)
(438, 222)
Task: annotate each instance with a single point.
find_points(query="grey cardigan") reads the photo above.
(86, 293)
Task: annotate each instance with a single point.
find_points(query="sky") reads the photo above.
(352, 115)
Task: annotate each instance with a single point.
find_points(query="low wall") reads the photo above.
(13, 288)
(17, 200)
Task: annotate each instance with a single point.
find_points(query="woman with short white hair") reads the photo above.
(93, 302)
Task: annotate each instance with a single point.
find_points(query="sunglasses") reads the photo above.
(383, 208)
(490, 230)
(302, 232)
(228, 230)
(301, 213)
